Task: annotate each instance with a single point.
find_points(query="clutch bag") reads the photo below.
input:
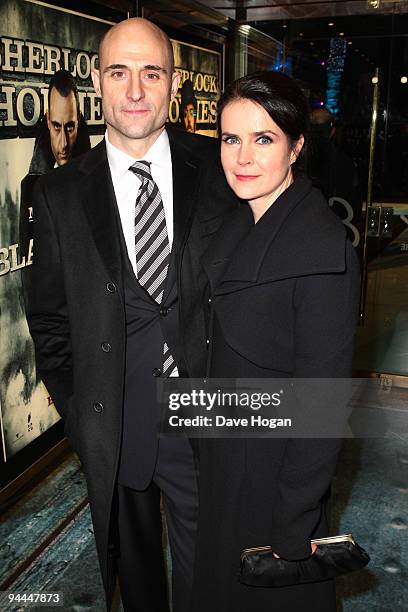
(333, 557)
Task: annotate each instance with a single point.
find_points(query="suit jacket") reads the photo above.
(284, 299)
(76, 309)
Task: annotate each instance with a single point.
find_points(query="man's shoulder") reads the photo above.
(63, 177)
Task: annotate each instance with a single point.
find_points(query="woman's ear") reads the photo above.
(297, 149)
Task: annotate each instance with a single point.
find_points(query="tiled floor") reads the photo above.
(370, 498)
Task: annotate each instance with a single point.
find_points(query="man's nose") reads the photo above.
(64, 141)
(135, 88)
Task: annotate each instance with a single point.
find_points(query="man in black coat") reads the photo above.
(100, 335)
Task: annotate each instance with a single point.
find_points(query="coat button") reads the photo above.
(98, 406)
(156, 372)
(106, 347)
(164, 311)
(110, 287)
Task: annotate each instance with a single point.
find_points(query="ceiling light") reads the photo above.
(404, 79)
(374, 80)
(331, 24)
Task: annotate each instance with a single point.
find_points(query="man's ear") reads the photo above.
(96, 81)
(175, 83)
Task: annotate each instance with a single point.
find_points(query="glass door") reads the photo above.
(382, 339)
(354, 70)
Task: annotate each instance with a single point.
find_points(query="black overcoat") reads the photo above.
(76, 309)
(283, 301)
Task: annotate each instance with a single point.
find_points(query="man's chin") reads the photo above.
(61, 161)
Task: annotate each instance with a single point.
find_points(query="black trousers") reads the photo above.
(141, 564)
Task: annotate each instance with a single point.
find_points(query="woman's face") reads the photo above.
(256, 154)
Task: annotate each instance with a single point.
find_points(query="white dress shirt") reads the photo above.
(126, 185)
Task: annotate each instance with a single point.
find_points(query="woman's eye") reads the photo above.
(230, 139)
(264, 140)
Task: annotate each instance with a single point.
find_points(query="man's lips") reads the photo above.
(136, 111)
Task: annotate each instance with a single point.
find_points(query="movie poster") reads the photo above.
(195, 106)
(36, 41)
(40, 44)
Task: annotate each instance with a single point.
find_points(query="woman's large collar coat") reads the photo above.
(297, 236)
(284, 292)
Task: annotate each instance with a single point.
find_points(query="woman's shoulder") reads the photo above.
(313, 218)
(314, 206)
(312, 239)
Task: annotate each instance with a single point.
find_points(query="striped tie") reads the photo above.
(152, 244)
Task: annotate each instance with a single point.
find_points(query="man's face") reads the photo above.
(62, 120)
(136, 83)
(189, 118)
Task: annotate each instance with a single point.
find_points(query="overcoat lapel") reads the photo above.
(236, 256)
(219, 255)
(99, 204)
(185, 183)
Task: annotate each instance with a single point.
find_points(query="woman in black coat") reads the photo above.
(284, 286)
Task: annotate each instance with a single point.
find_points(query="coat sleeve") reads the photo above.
(326, 316)
(46, 306)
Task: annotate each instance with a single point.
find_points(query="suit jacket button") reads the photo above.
(156, 372)
(164, 311)
(98, 406)
(106, 347)
(110, 287)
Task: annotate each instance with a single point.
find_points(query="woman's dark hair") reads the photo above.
(282, 99)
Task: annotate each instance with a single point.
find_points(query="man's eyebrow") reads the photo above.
(146, 67)
(115, 67)
(56, 123)
(155, 67)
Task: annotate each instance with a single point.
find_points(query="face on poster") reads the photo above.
(195, 106)
(40, 129)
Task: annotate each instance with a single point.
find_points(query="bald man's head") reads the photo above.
(131, 26)
(321, 116)
(136, 80)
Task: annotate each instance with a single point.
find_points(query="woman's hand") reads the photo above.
(313, 547)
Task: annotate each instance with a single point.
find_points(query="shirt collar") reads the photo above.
(120, 162)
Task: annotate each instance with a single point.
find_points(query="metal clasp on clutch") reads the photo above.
(347, 537)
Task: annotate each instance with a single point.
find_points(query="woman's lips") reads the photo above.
(246, 177)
